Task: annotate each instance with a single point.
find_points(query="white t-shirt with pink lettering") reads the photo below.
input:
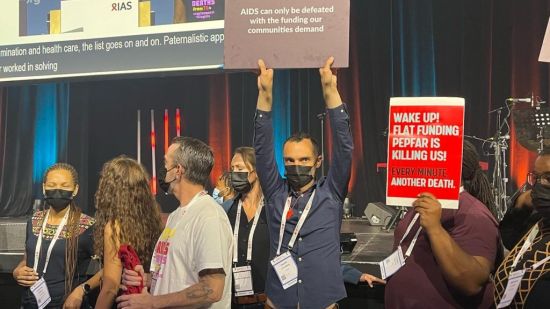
(197, 236)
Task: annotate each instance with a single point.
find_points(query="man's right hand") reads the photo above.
(25, 276)
(265, 87)
(133, 277)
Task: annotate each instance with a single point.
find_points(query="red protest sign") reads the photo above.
(425, 149)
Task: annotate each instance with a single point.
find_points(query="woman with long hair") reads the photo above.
(126, 213)
(247, 215)
(58, 246)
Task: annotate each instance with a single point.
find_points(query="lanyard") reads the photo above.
(250, 235)
(415, 238)
(52, 243)
(298, 226)
(535, 266)
(413, 242)
(526, 245)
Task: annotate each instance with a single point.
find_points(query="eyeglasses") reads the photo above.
(543, 179)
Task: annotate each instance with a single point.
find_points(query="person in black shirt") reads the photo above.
(520, 217)
(247, 214)
(531, 252)
(58, 246)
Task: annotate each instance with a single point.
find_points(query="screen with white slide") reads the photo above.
(45, 39)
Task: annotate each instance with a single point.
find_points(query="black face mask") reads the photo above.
(58, 199)
(298, 175)
(163, 184)
(239, 182)
(541, 199)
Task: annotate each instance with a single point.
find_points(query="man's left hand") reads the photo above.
(370, 279)
(136, 301)
(429, 209)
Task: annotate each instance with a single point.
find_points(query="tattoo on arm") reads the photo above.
(202, 290)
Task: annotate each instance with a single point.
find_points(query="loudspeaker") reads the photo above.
(378, 213)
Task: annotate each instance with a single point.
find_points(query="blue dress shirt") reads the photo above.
(317, 251)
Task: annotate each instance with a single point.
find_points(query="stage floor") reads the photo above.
(373, 243)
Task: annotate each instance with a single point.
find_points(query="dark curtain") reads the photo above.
(33, 136)
(16, 147)
(484, 51)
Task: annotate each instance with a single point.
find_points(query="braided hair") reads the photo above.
(73, 229)
(474, 179)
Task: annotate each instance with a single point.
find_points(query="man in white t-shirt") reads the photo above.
(191, 264)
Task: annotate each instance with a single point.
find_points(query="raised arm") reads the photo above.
(265, 87)
(342, 142)
(270, 179)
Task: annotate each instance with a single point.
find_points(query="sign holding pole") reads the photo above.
(425, 149)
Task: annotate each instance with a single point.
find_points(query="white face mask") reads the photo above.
(216, 195)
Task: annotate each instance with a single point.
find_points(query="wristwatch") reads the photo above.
(85, 288)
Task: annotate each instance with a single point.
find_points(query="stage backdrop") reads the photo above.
(484, 51)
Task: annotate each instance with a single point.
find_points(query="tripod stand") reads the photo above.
(499, 144)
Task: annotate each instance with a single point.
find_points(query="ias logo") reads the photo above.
(121, 6)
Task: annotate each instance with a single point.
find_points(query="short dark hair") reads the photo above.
(300, 136)
(196, 157)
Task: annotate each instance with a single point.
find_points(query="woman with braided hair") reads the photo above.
(474, 179)
(58, 246)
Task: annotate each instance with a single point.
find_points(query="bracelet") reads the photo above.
(85, 288)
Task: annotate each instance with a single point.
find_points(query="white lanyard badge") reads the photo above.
(413, 242)
(526, 245)
(514, 282)
(250, 235)
(52, 243)
(298, 225)
(396, 260)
